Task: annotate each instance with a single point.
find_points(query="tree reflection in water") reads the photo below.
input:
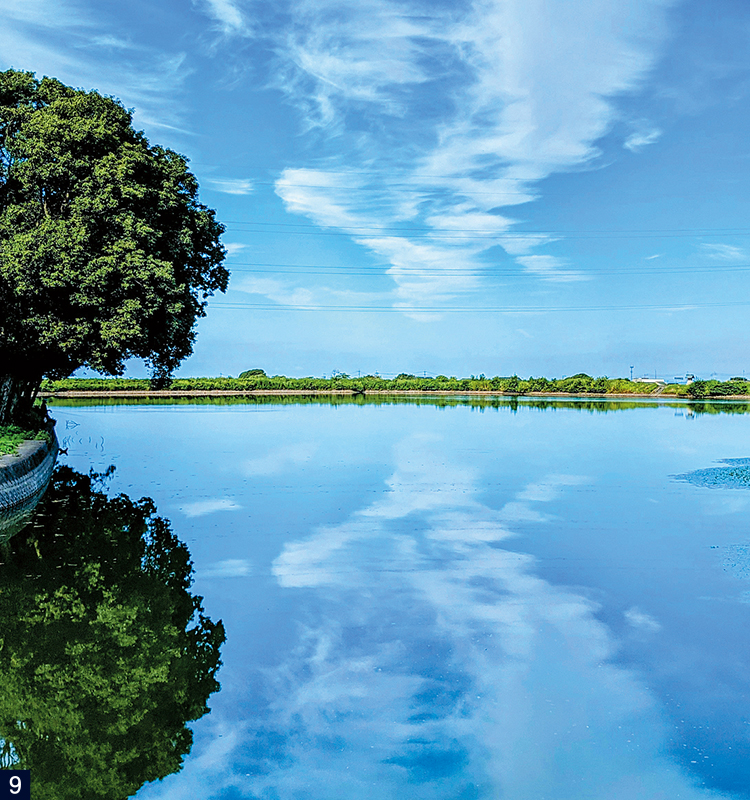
(105, 655)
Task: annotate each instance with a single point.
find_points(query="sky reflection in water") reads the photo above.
(436, 603)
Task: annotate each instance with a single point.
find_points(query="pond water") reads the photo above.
(454, 601)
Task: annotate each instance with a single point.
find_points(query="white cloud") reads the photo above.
(233, 248)
(231, 185)
(501, 652)
(64, 40)
(37, 12)
(724, 252)
(230, 568)
(516, 244)
(229, 16)
(639, 619)
(287, 293)
(641, 138)
(280, 459)
(325, 197)
(551, 268)
(471, 106)
(550, 488)
(359, 53)
(114, 42)
(544, 491)
(276, 290)
(513, 511)
(200, 508)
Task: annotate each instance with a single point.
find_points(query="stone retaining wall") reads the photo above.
(23, 479)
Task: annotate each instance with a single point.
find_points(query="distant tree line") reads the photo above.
(257, 380)
(734, 386)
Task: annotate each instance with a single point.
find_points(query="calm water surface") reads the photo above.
(455, 602)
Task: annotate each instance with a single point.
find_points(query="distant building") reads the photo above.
(657, 381)
(684, 380)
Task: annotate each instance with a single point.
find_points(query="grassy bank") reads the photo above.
(580, 384)
(11, 436)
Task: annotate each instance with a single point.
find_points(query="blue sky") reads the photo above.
(499, 186)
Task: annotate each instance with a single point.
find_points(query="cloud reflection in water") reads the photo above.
(434, 663)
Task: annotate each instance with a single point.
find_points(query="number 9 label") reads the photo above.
(15, 784)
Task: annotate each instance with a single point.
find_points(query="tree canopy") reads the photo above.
(104, 652)
(106, 252)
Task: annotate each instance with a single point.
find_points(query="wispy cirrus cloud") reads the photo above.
(64, 39)
(452, 117)
(640, 138)
(551, 268)
(337, 53)
(642, 621)
(229, 568)
(228, 16)
(234, 248)
(288, 293)
(199, 508)
(37, 12)
(277, 290)
(240, 186)
(724, 252)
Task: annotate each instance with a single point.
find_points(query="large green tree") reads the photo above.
(105, 251)
(105, 654)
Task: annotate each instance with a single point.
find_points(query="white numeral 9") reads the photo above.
(15, 785)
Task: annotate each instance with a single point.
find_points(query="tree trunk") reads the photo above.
(17, 396)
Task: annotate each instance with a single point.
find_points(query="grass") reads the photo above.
(11, 436)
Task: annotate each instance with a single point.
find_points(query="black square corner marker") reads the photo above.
(15, 784)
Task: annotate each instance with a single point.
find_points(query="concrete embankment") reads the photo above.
(23, 480)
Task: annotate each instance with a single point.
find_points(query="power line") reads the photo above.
(477, 309)
(388, 170)
(553, 232)
(533, 193)
(428, 234)
(477, 271)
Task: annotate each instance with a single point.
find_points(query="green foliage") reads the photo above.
(580, 384)
(252, 373)
(33, 427)
(105, 251)
(104, 653)
(11, 437)
(712, 388)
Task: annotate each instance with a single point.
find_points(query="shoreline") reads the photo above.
(24, 477)
(147, 393)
